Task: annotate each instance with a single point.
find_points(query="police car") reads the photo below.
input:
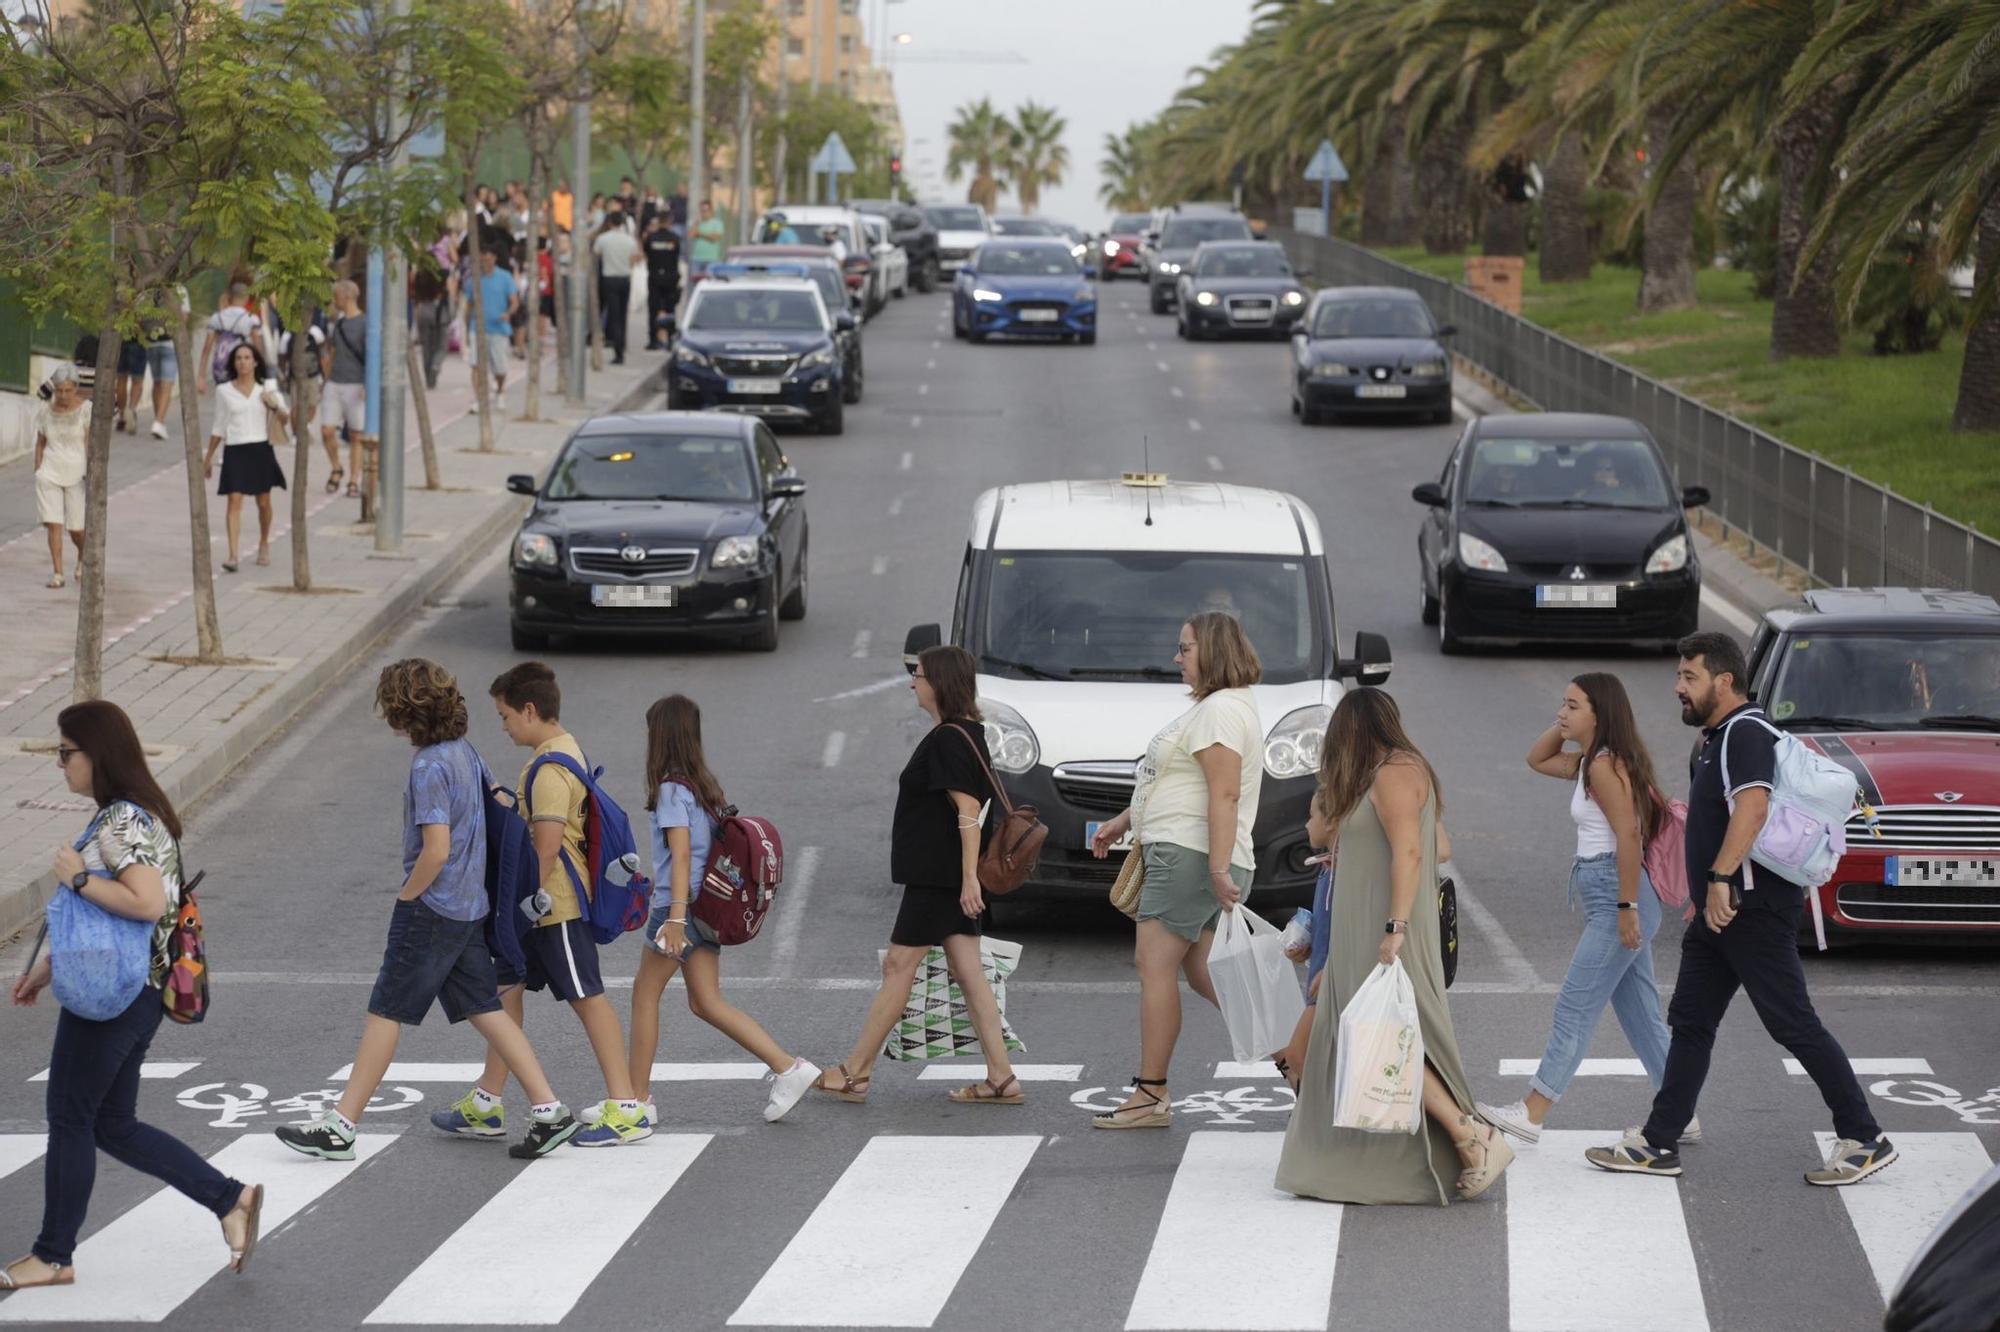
(764, 346)
(1071, 596)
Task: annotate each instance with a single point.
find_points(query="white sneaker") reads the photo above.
(788, 1087)
(649, 1114)
(159, 430)
(1511, 1120)
(1692, 1133)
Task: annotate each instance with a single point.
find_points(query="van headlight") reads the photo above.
(1670, 557)
(535, 548)
(1477, 554)
(1292, 748)
(1009, 738)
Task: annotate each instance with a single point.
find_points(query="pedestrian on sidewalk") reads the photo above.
(62, 457)
(244, 407)
(707, 246)
(1191, 814)
(129, 385)
(685, 802)
(1616, 805)
(935, 840)
(162, 361)
(233, 324)
(431, 313)
(127, 862)
(1745, 934)
(663, 278)
(1388, 836)
(343, 360)
(616, 252)
(560, 952)
(437, 949)
(499, 296)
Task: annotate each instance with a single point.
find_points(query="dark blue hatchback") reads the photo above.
(1028, 286)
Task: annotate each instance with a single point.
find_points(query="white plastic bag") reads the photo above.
(1378, 1077)
(1255, 984)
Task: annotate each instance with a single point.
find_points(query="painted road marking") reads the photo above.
(1260, 1068)
(1025, 1072)
(896, 506)
(916, 422)
(909, 458)
(1589, 1068)
(1214, 463)
(1223, 1188)
(1879, 1068)
(144, 1265)
(1175, 389)
(862, 638)
(879, 566)
(799, 877)
(1194, 425)
(1897, 1210)
(1151, 346)
(916, 1251)
(472, 1279)
(1558, 1208)
(1162, 365)
(923, 390)
(467, 1074)
(1742, 623)
(836, 744)
(146, 1070)
(20, 1149)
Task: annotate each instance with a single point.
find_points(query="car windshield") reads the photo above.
(1026, 261)
(1565, 473)
(1024, 226)
(1384, 318)
(717, 307)
(1116, 615)
(653, 467)
(1903, 679)
(1130, 222)
(777, 229)
(1243, 263)
(1190, 232)
(948, 218)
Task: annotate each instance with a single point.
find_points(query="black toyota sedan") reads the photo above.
(1370, 349)
(1238, 287)
(1557, 525)
(661, 523)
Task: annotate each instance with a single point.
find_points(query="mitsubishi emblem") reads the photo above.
(1949, 797)
(1576, 573)
(632, 554)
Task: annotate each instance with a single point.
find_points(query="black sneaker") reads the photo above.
(322, 1138)
(1850, 1162)
(1634, 1156)
(544, 1136)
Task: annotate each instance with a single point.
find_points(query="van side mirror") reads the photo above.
(520, 484)
(1694, 497)
(1370, 663)
(1428, 493)
(918, 641)
(844, 320)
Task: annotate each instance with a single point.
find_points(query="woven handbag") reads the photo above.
(1131, 880)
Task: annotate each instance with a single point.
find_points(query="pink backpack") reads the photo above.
(1666, 856)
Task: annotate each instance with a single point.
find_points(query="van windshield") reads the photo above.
(1116, 615)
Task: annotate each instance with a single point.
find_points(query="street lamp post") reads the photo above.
(578, 314)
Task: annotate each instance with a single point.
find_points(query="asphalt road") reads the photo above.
(909, 1211)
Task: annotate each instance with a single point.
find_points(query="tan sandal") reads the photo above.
(56, 580)
(64, 1275)
(1495, 1156)
(1157, 1114)
(851, 1088)
(253, 1213)
(988, 1092)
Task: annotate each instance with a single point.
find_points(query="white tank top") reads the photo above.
(1593, 831)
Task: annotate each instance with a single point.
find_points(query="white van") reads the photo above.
(1071, 595)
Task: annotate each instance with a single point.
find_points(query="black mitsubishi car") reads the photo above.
(661, 523)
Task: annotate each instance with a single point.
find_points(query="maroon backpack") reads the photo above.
(746, 861)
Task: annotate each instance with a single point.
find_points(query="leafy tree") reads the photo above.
(641, 100)
(1123, 169)
(812, 114)
(979, 141)
(1036, 155)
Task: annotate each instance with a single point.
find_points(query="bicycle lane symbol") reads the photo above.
(234, 1112)
(1970, 1110)
(1232, 1106)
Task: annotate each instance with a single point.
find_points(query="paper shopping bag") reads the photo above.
(936, 1023)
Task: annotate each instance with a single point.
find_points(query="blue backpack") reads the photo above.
(513, 873)
(613, 892)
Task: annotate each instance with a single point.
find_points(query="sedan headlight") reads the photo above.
(1295, 298)
(1476, 554)
(1084, 295)
(1111, 247)
(1292, 748)
(734, 552)
(985, 294)
(1670, 557)
(1428, 370)
(811, 360)
(1079, 250)
(535, 548)
(1009, 738)
(1204, 298)
(1334, 370)
(686, 355)
(1168, 266)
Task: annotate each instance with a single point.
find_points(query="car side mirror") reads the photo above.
(1446, 330)
(1370, 663)
(844, 321)
(787, 487)
(1428, 493)
(519, 484)
(1089, 271)
(1300, 331)
(918, 641)
(1151, 237)
(1694, 497)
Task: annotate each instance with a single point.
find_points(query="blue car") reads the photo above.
(1026, 285)
(761, 346)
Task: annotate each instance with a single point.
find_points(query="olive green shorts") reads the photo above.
(1176, 891)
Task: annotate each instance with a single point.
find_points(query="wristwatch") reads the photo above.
(1396, 927)
(82, 877)
(1628, 906)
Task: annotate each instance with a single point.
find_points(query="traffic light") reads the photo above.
(895, 169)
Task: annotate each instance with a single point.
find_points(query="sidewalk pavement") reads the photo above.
(283, 648)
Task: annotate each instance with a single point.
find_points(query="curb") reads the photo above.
(275, 710)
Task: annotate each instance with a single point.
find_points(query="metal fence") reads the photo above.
(1840, 528)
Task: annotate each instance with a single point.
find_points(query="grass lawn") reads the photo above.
(1886, 417)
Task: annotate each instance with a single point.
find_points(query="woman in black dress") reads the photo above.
(934, 846)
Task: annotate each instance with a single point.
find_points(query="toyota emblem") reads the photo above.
(1949, 797)
(632, 554)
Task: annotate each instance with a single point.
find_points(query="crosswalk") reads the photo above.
(891, 1239)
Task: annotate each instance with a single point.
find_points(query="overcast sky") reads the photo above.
(1102, 63)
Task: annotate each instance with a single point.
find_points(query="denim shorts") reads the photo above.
(698, 935)
(160, 359)
(132, 358)
(431, 957)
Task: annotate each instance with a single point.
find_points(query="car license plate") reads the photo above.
(1381, 391)
(1598, 596)
(756, 385)
(1920, 871)
(1090, 830)
(616, 594)
(1039, 316)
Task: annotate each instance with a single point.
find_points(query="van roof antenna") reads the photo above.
(1146, 461)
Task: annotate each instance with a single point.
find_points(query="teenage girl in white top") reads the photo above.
(1615, 802)
(242, 430)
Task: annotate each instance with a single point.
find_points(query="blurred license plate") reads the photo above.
(1090, 830)
(1597, 595)
(612, 594)
(1381, 391)
(1039, 316)
(1916, 871)
(756, 385)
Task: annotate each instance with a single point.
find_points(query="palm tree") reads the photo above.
(980, 138)
(1036, 155)
(1123, 167)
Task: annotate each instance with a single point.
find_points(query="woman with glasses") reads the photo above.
(127, 862)
(1192, 809)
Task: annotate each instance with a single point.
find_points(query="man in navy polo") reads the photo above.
(1746, 933)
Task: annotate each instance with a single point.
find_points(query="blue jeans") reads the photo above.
(1604, 971)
